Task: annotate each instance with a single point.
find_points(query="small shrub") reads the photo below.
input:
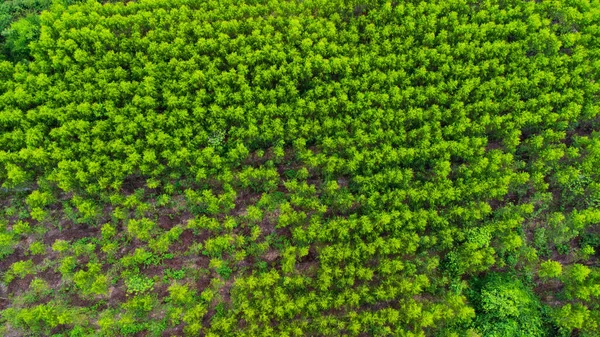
(37, 248)
(550, 269)
(139, 284)
(19, 269)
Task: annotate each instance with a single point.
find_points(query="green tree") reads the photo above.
(506, 307)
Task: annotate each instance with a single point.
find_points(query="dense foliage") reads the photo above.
(289, 168)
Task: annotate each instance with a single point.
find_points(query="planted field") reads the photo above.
(300, 168)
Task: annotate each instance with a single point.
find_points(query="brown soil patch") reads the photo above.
(225, 291)
(202, 284)
(548, 290)
(245, 263)
(206, 320)
(271, 255)
(153, 270)
(70, 232)
(174, 263)
(308, 264)
(169, 219)
(343, 182)
(117, 294)
(202, 262)
(162, 291)
(52, 277)
(584, 128)
(142, 333)
(269, 223)
(243, 200)
(3, 303)
(57, 330)
(254, 160)
(132, 183)
(186, 240)
(174, 331)
(202, 236)
(494, 145)
(77, 301)
(19, 285)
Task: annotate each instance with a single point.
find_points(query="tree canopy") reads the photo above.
(287, 168)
